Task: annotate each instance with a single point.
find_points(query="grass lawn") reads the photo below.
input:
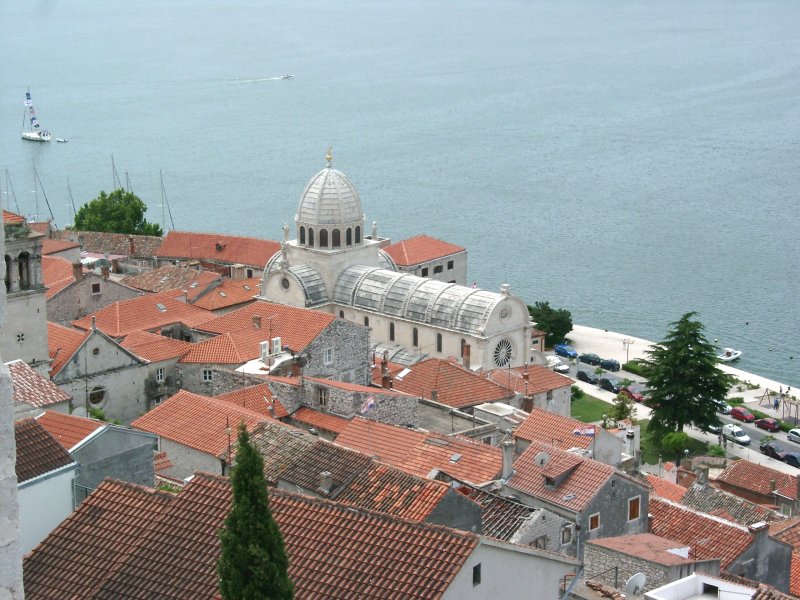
(650, 451)
(589, 409)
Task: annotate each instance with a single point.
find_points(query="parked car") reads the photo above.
(588, 377)
(793, 435)
(591, 359)
(792, 458)
(610, 364)
(633, 392)
(565, 350)
(715, 428)
(740, 413)
(555, 363)
(723, 407)
(768, 423)
(610, 384)
(773, 449)
(735, 433)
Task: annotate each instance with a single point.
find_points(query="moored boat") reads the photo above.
(729, 355)
(34, 133)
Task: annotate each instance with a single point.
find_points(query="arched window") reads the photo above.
(438, 342)
(366, 321)
(341, 314)
(302, 236)
(358, 234)
(310, 237)
(336, 239)
(415, 337)
(323, 238)
(24, 265)
(391, 332)
(348, 236)
(8, 273)
(463, 343)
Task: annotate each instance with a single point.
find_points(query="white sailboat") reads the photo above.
(34, 132)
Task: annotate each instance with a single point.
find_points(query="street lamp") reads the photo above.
(626, 343)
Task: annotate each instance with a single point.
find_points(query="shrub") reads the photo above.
(634, 366)
(716, 450)
(577, 392)
(735, 400)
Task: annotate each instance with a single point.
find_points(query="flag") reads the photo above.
(474, 284)
(368, 404)
(586, 431)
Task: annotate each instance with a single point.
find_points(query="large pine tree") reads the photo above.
(684, 378)
(252, 563)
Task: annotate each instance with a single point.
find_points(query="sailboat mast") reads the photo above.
(165, 200)
(50, 210)
(10, 188)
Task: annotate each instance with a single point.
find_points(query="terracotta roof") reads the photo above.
(32, 388)
(342, 463)
(57, 274)
(38, 452)
(68, 429)
(297, 327)
(540, 379)
(161, 462)
(788, 532)
(421, 453)
(665, 488)
(501, 517)
(230, 293)
(420, 249)
(233, 348)
(42, 227)
(62, 343)
(757, 478)
(320, 420)
(257, 398)
(173, 277)
(154, 347)
(149, 542)
(143, 314)
(216, 247)
(10, 218)
(197, 421)
(645, 546)
(455, 386)
(554, 429)
(709, 537)
(102, 242)
(279, 445)
(794, 576)
(713, 501)
(50, 246)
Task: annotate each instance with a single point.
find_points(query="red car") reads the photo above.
(632, 392)
(768, 424)
(740, 413)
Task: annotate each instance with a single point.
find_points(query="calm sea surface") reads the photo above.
(628, 161)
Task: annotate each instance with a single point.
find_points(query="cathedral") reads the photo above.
(334, 265)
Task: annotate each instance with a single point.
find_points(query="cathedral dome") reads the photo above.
(329, 199)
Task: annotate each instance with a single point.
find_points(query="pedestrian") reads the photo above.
(777, 402)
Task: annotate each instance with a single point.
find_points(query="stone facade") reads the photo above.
(85, 296)
(185, 460)
(547, 531)
(121, 453)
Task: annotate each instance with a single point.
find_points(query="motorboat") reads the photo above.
(729, 355)
(61, 140)
(287, 76)
(34, 132)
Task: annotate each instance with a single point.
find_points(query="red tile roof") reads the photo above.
(62, 343)
(420, 249)
(173, 277)
(234, 348)
(143, 314)
(709, 537)
(54, 246)
(161, 462)
(68, 429)
(342, 463)
(320, 420)
(257, 398)
(10, 218)
(197, 421)
(121, 244)
(216, 247)
(231, 293)
(32, 388)
(154, 347)
(540, 379)
(758, 478)
(645, 546)
(38, 452)
(556, 430)
(149, 543)
(666, 489)
(501, 517)
(455, 386)
(794, 576)
(421, 453)
(582, 478)
(57, 274)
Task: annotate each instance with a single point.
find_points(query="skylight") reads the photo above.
(161, 307)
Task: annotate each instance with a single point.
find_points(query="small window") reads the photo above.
(366, 321)
(476, 575)
(415, 337)
(634, 508)
(322, 397)
(249, 273)
(302, 236)
(95, 288)
(594, 522)
(566, 534)
(540, 542)
(391, 332)
(97, 395)
(160, 375)
(328, 356)
(438, 342)
(463, 343)
(424, 272)
(449, 265)
(437, 269)
(206, 374)
(341, 314)
(159, 399)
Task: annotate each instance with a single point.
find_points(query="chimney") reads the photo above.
(386, 381)
(508, 459)
(772, 486)
(131, 246)
(77, 271)
(94, 322)
(325, 482)
(760, 533)
(435, 395)
(702, 474)
(257, 321)
(466, 356)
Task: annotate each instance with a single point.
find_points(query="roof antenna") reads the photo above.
(329, 156)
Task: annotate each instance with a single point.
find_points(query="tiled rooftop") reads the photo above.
(234, 348)
(583, 478)
(320, 420)
(54, 246)
(279, 445)
(62, 342)
(69, 430)
(665, 488)
(708, 536)
(420, 249)
(101, 242)
(216, 247)
(154, 347)
(57, 274)
(257, 398)
(32, 388)
(645, 546)
(38, 452)
(342, 463)
(197, 421)
(232, 292)
(149, 543)
(10, 218)
(709, 499)
(501, 517)
(757, 478)
(540, 379)
(173, 277)
(554, 429)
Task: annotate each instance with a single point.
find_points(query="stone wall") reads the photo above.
(86, 296)
(10, 546)
(546, 530)
(117, 452)
(393, 409)
(350, 346)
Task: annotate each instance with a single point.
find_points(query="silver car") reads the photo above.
(793, 435)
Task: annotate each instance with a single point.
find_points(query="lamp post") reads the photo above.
(626, 343)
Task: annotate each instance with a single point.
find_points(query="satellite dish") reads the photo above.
(542, 459)
(635, 584)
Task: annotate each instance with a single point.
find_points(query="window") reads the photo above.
(391, 332)
(328, 356)
(322, 397)
(310, 237)
(566, 534)
(249, 273)
(449, 265)
(341, 314)
(415, 337)
(206, 374)
(463, 343)
(634, 508)
(336, 238)
(95, 288)
(358, 234)
(438, 342)
(302, 236)
(437, 269)
(97, 395)
(348, 236)
(476, 575)
(160, 375)
(159, 399)
(366, 321)
(594, 522)
(323, 238)
(424, 272)
(540, 542)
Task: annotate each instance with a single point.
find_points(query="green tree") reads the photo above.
(623, 408)
(117, 212)
(253, 564)
(684, 379)
(675, 443)
(555, 322)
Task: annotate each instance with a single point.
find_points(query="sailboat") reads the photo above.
(34, 133)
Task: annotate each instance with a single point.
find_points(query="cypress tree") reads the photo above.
(253, 564)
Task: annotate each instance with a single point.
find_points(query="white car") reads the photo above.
(793, 435)
(736, 434)
(553, 362)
